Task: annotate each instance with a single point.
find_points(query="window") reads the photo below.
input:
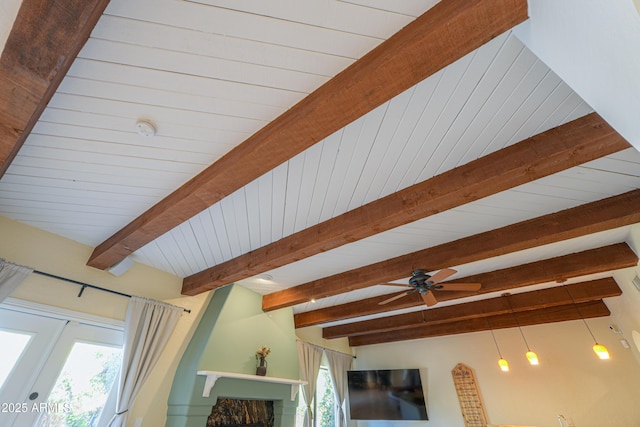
(323, 405)
(58, 372)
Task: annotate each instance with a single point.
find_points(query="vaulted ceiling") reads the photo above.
(319, 154)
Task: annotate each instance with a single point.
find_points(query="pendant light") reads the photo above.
(531, 355)
(502, 362)
(599, 349)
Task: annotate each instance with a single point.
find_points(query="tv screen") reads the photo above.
(391, 394)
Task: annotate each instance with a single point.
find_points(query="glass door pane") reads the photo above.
(30, 340)
(13, 344)
(83, 385)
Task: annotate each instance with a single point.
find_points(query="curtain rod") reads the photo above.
(328, 349)
(87, 285)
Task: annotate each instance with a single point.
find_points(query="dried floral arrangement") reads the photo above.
(263, 351)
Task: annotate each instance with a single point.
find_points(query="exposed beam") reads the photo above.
(544, 298)
(442, 35)
(526, 318)
(545, 271)
(43, 43)
(566, 146)
(612, 212)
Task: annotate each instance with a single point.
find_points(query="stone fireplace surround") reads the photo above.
(241, 413)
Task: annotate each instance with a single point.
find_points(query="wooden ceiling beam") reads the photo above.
(606, 214)
(560, 313)
(544, 298)
(569, 145)
(44, 41)
(556, 269)
(439, 37)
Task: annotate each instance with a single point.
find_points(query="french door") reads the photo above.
(55, 372)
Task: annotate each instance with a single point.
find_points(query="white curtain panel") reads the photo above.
(339, 364)
(11, 276)
(147, 329)
(309, 359)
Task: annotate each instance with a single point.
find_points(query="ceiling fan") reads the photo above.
(423, 283)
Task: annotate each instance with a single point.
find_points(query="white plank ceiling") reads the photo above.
(210, 73)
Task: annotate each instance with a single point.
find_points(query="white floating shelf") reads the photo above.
(212, 377)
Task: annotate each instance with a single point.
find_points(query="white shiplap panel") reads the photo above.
(184, 63)
(507, 71)
(409, 135)
(345, 139)
(406, 7)
(279, 202)
(310, 171)
(423, 144)
(263, 205)
(182, 83)
(152, 255)
(330, 151)
(367, 135)
(74, 189)
(229, 223)
(160, 115)
(252, 214)
(295, 169)
(188, 246)
(536, 119)
(121, 144)
(381, 149)
(171, 253)
(159, 97)
(245, 26)
(24, 196)
(167, 37)
(196, 138)
(335, 15)
(162, 184)
(208, 247)
(107, 159)
(469, 97)
(218, 239)
(240, 219)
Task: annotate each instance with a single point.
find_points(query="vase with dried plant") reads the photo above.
(261, 360)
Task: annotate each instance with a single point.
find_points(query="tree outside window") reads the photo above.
(323, 405)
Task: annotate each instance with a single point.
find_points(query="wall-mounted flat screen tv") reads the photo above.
(391, 394)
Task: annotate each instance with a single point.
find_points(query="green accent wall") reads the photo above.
(232, 328)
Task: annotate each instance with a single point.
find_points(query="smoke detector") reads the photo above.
(145, 128)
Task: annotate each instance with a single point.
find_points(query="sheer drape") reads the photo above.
(11, 275)
(309, 358)
(148, 326)
(339, 364)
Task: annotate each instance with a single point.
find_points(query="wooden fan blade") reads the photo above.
(458, 286)
(442, 274)
(393, 298)
(394, 284)
(429, 299)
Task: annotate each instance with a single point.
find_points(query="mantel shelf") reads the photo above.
(212, 377)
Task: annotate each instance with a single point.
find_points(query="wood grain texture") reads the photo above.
(559, 313)
(553, 269)
(574, 143)
(44, 41)
(605, 214)
(442, 35)
(559, 295)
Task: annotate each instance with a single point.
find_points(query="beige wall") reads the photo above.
(570, 380)
(46, 252)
